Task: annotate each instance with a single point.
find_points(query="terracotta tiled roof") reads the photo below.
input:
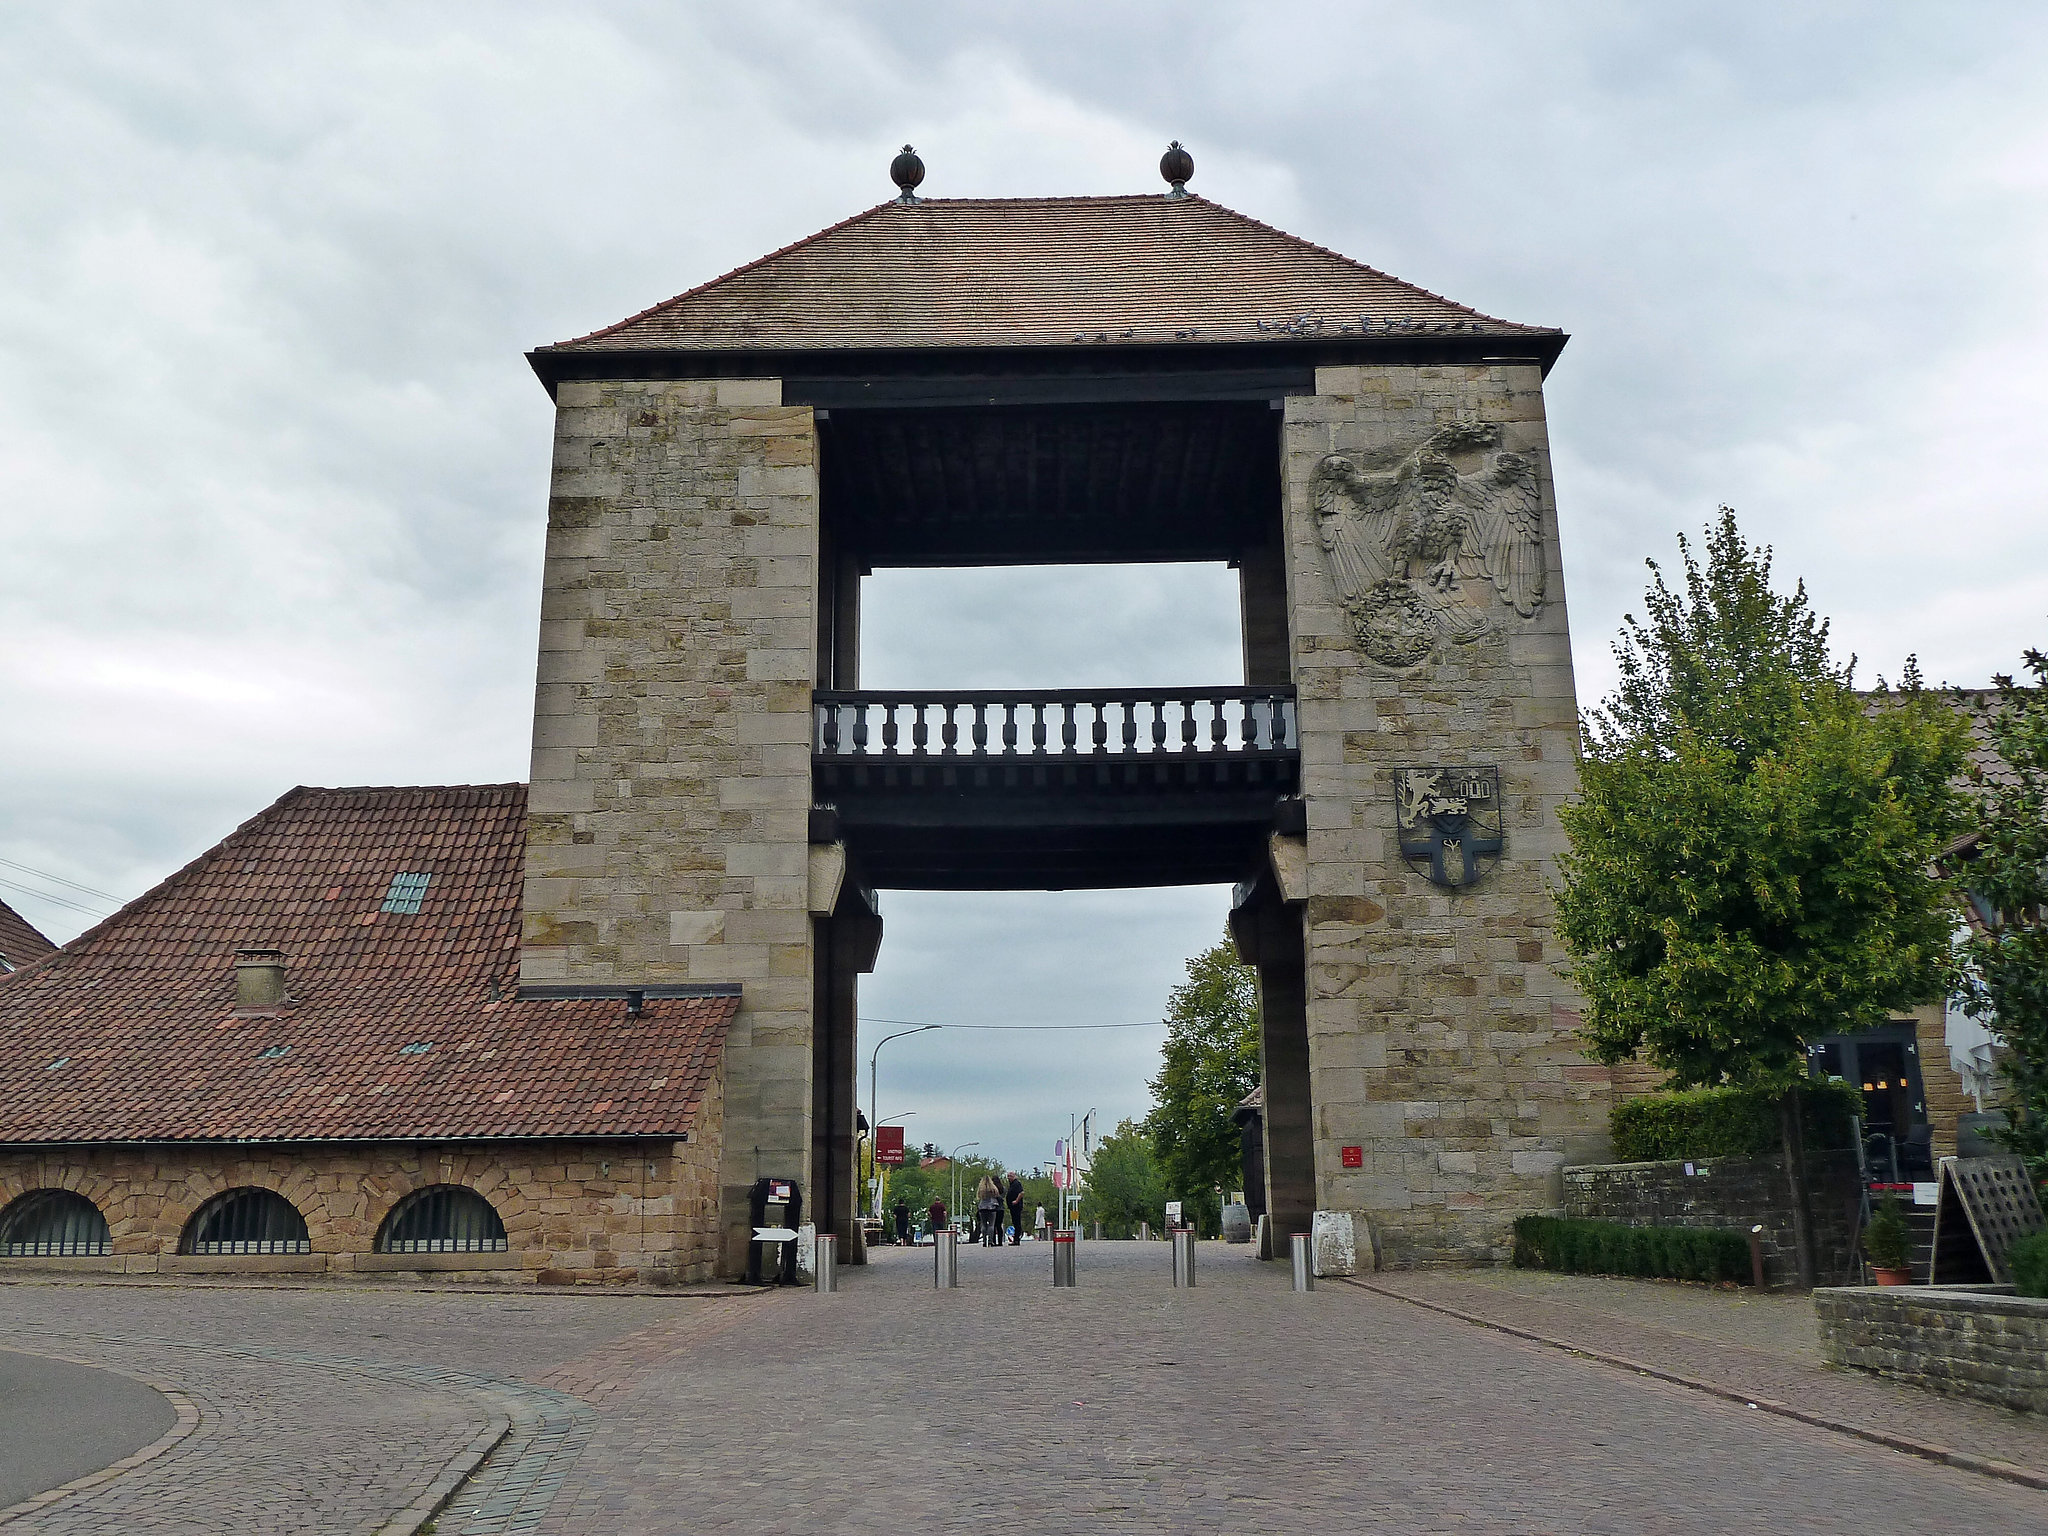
(1051, 271)
(131, 1031)
(19, 940)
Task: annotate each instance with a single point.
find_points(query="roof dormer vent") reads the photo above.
(259, 978)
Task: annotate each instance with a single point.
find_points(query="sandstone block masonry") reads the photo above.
(671, 766)
(610, 1212)
(1440, 1039)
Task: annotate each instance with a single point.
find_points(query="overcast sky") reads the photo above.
(273, 468)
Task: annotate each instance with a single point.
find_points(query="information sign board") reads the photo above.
(889, 1146)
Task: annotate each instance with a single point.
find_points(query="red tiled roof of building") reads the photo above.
(20, 941)
(1041, 271)
(131, 1032)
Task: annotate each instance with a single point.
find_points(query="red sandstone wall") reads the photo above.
(583, 1212)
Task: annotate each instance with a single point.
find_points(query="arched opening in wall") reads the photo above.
(246, 1221)
(445, 1218)
(53, 1223)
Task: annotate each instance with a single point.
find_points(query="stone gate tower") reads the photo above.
(975, 381)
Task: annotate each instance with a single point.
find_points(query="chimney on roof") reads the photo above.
(259, 978)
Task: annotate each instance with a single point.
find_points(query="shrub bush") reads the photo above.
(1609, 1248)
(1726, 1122)
(2030, 1264)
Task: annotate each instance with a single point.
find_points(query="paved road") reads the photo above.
(1120, 1405)
(60, 1421)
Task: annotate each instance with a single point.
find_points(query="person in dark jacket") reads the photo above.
(1013, 1197)
(902, 1221)
(938, 1215)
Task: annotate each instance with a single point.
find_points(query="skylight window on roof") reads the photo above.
(406, 893)
(274, 1052)
(417, 1048)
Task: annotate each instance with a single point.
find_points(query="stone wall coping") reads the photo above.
(1703, 1162)
(1998, 1300)
(425, 1262)
(241, 1263)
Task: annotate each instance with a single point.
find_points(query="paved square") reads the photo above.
(1119, 1405)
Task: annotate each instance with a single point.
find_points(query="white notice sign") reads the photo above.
(1173, 1213)
(774, 1234)
(1926, 1194)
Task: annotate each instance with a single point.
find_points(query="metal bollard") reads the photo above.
(946, 1259)
(1756, 1257)
(1183, 1258)
(1144, 1231)
(1063, 1259)
(1304, 1270)
(1098, 1231)
(825, 1263)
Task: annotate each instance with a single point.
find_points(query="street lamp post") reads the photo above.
(953, 1163)
(1069, 1200)
(875, 1180)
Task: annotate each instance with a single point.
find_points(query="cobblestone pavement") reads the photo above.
(329, 1411)
(1120, 1405)
(1766, 1347)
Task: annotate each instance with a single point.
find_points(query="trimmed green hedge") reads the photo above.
(1609, 1248)
(2030, 1264)
(1726, 1122)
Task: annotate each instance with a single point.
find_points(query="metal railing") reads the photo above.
(1182, 722)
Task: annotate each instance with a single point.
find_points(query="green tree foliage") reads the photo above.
(1210, 1062)
(1124, 1186)
(2008, 878)
(1750, 853)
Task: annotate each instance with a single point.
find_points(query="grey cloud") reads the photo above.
(272, 466)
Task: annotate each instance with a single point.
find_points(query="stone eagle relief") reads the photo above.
(1402, 531)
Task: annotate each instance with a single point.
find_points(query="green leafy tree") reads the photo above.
(1751, 850)
(1124, 1183)
(1210, 1062)
(2007, 875)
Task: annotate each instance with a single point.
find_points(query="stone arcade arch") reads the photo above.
(54, 1223)
(246, 1219)
(715, 796)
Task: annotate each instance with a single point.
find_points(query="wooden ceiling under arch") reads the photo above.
(1051, 484)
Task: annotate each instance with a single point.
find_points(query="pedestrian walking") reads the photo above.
(938, 1216)
(1013, 1197)
(902, 1221)
(988, 1212)
(1038, 1231)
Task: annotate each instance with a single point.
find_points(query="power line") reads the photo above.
(55, 901)
(44, 874)
(928, 1024)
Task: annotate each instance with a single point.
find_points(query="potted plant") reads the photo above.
(1888, 1244)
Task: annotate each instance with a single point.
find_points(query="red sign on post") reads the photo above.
(1354, 1157)
(889, 1146)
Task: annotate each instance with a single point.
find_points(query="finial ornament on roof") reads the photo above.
(1178, 167)
(907, 171)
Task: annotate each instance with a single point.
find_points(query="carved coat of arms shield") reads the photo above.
(1448, 822)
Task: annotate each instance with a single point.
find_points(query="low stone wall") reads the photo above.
(608, 1212)
(1982, 1343)
(1732, 1193)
